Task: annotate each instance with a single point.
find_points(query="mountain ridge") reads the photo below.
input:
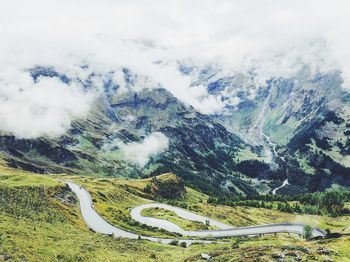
(211, 152)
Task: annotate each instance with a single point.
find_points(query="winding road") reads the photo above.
(169, 226)
(98, 224)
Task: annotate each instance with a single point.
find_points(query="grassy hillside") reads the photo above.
(16, 177)
(40, 221)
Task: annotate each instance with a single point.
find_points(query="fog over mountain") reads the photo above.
(266, 39)
(174, 130)
(140, 153)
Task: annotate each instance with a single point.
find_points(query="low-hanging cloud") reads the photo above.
(47, 107)
(140, 153)
(264, 37)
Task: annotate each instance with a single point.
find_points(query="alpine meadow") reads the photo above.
(150, 130)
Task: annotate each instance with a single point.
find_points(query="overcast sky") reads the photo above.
(275, 38)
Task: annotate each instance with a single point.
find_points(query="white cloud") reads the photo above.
(140, 153)
(45, 108)
(269, 38)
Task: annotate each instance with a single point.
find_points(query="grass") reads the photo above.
(59, 241)
(303, 164)
(113, 199)
(113, 196)
(15, 177)
(38, 226)
(67, 242)
(246, 154)
(280, 133)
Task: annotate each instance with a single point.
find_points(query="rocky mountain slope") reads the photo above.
(295, 129)
(202, 151)
(302, 122)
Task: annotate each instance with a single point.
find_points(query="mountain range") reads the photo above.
(296, 129)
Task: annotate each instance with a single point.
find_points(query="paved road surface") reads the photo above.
(225, 231)
(155, 222)
(98, 224)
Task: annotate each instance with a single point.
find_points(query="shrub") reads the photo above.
(307, 231)
(174, 242)
(147, 188)
(183, 244)
(169, 187)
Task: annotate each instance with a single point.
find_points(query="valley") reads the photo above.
(113, 198)
(301, 141)
(146, 168)
(176, 130)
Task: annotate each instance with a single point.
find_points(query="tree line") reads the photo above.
(318, 203)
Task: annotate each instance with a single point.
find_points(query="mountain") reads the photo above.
(201, 150)
(302, 122)
(295, 128)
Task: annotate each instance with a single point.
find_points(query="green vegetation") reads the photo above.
(321, 203)
(304, 163)
(41, 221)
(280, 133)
(172, 217)
(166, 186)
(36, 206)
(246, 154)
(113, 199)
(16, 177)
(307, 231)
